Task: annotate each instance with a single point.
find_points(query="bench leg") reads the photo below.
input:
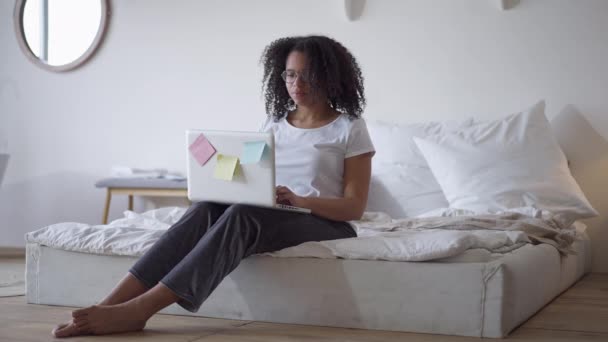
(106, 210)
(131, 202)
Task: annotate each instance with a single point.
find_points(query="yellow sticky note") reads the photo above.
(225, 167)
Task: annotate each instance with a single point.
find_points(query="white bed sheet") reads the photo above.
(379, 238)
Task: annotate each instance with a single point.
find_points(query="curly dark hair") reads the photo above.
(332, 69)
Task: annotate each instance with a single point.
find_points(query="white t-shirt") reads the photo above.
(310, 161)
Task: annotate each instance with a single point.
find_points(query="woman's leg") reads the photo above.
(176, 243)
(166, 252)
(239, 232)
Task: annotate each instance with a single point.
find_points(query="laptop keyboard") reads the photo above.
(285, 206)
(290, 207)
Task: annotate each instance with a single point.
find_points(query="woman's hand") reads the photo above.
(286, 196)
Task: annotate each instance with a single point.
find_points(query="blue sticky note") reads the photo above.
(252, 152)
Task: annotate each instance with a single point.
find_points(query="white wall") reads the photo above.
(166, 66)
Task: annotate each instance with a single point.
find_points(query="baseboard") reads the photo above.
(12, 252)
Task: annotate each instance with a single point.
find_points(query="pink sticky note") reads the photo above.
(202, 150)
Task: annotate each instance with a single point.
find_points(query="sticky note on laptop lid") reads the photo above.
(252, 152)
(225, 167)
(202, 150)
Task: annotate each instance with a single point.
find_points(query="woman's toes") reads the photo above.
(65, 330)
(84, 329)
(59, 327)
(81, 324)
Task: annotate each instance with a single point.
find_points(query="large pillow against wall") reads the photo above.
(510, 163)
(402, 183)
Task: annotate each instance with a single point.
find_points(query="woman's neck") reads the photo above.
(312, 117)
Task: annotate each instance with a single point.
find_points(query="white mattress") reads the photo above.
(463, 296)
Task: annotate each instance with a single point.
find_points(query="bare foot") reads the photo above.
(107, 319)
(70, 329)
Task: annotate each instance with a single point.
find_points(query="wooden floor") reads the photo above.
(580, 314)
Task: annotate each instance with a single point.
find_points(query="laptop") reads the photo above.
(233, 167)
(3, 164)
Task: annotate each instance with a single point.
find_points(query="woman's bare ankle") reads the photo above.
(108, 301)
(128, 288)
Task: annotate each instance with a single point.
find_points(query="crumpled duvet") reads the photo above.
(379, 236)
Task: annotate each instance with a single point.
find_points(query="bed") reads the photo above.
(480, 291)
(471, 295)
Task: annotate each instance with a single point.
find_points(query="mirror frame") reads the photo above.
(25, 48)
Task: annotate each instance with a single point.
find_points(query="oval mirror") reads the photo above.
(59, 35)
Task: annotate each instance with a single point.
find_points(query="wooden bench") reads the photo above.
(159, 187)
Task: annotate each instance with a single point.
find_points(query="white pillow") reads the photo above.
(510, 163)
(402, 183)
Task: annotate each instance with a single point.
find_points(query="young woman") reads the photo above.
(314, 97)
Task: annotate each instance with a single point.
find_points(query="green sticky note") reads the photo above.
(252, 152)
(225, 167)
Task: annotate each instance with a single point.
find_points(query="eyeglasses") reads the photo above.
(290, 76)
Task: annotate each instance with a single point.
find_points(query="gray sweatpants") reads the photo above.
(211, 239)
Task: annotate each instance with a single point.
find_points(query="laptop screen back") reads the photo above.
(225, 167)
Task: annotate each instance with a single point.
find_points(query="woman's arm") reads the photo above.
(357, 174)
